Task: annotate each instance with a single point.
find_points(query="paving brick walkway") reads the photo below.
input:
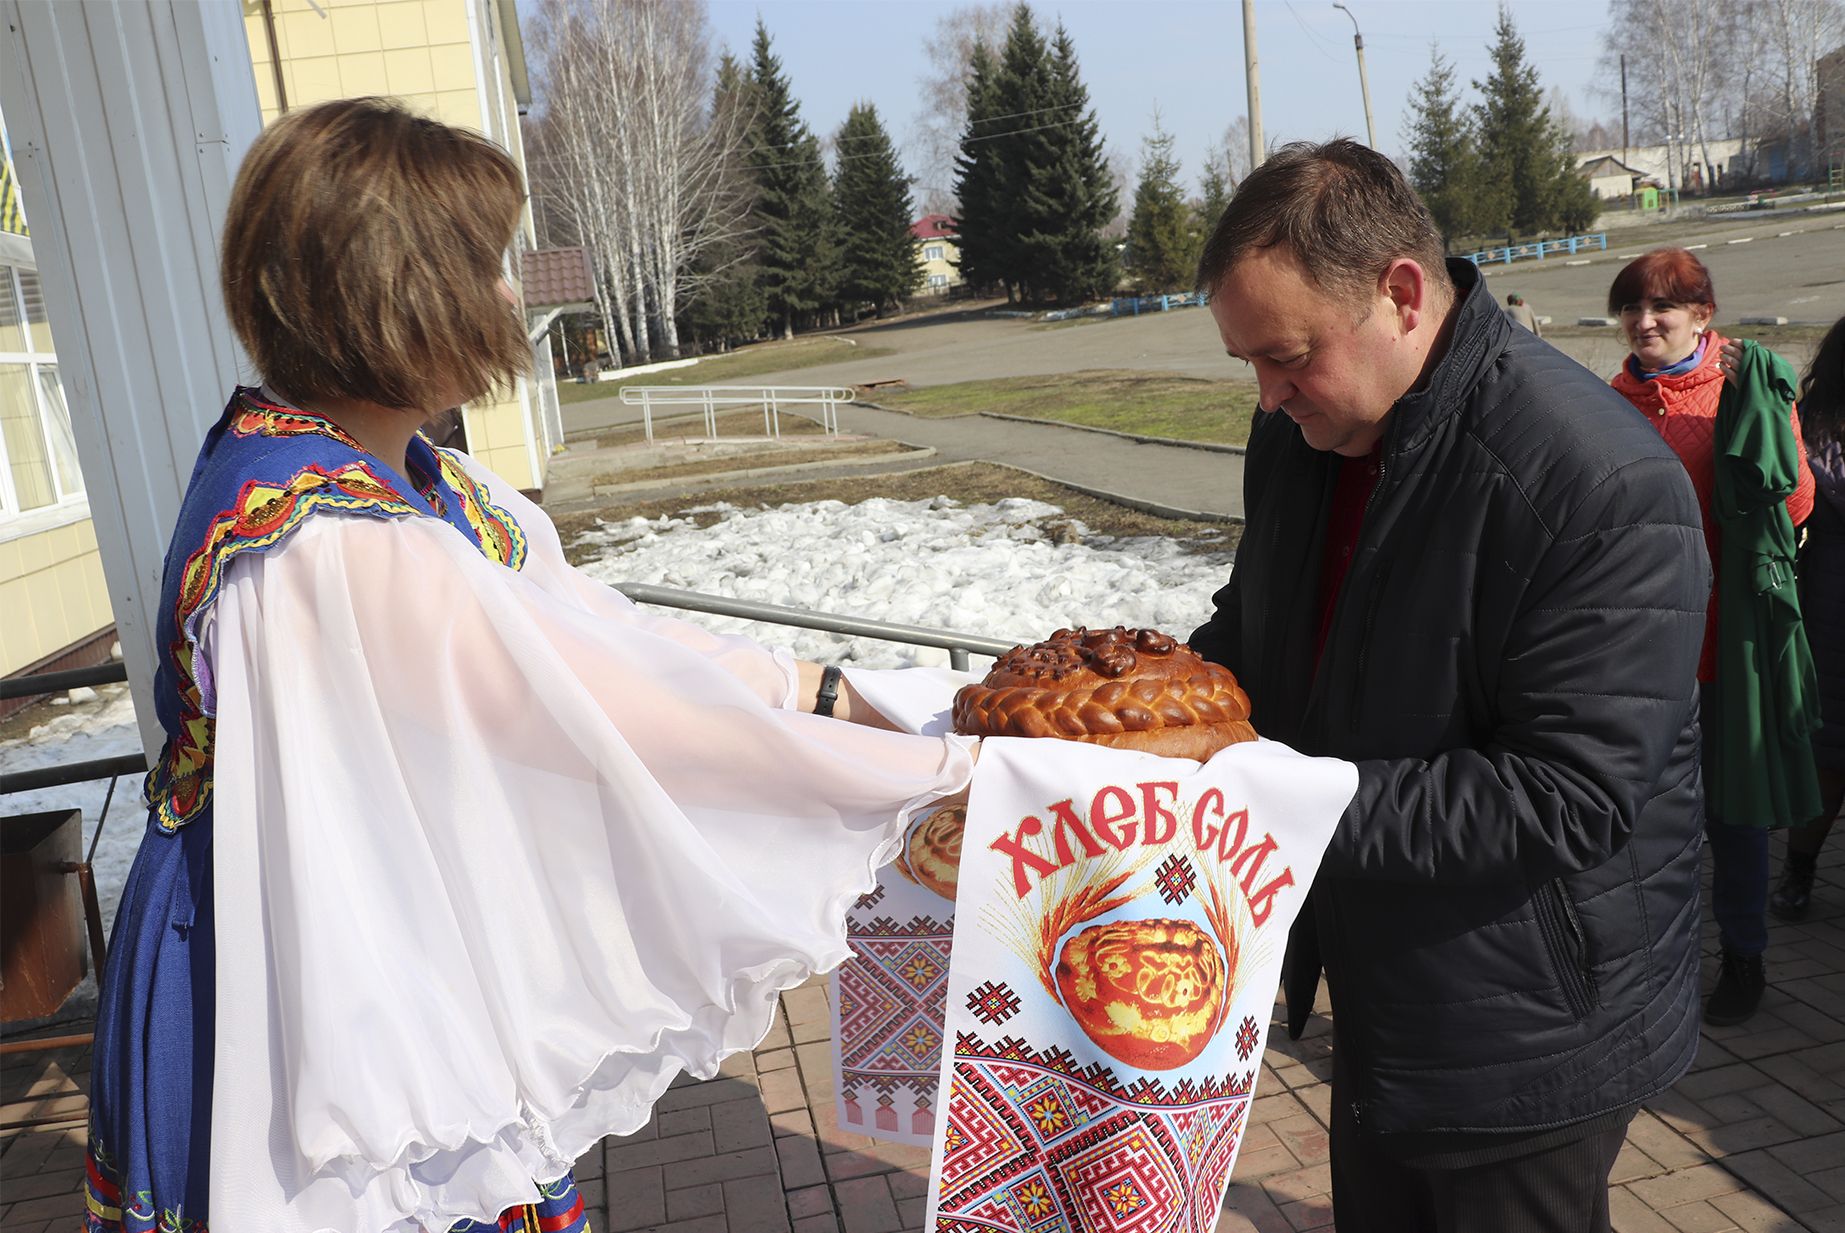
(1753, 1139)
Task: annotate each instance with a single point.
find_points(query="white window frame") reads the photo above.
(68, 507)
(932, 252)
(938, 280)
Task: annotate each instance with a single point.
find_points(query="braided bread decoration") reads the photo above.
(1129, 688)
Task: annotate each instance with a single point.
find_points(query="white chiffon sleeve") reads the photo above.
(492, 865)
(769, 671)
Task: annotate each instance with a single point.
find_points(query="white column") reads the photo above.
(128, 122)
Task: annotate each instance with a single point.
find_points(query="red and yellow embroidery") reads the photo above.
(256, 418)
(501, 537)
(179, 787)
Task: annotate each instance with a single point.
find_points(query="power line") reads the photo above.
(1037, 128)
(1011, 115)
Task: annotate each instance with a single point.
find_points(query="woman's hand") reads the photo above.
(1730, 360)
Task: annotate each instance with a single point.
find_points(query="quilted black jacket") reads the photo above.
(1509, 910)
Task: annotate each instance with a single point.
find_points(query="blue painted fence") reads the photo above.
(1541, 249)
(1131, 307)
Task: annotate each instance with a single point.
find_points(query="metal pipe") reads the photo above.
(92, 913)
(828, 622)
(275, 59)
(8, 1047)
(58, 682)
(72, 772)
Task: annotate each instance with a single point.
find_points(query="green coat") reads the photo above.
(1759, 769)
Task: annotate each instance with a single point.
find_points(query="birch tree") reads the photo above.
(635, 159)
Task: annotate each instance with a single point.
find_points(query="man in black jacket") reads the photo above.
(1470, 568)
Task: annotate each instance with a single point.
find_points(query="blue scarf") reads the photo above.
(1670, 370)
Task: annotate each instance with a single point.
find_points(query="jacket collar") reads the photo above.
(1481, 331)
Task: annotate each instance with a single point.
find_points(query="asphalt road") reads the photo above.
(1755, 269)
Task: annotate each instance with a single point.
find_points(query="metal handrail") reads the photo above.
(57, 682)
(958, 646)
(708, 398)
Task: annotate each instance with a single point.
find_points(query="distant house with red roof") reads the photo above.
(935, 238)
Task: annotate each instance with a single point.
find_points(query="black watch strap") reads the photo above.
(829, 690)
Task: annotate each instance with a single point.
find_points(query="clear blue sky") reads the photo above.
(1185, 56)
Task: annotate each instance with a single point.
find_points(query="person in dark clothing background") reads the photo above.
(1471, 569)
(1822, 604)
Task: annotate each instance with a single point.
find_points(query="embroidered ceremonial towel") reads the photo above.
(1118, 942)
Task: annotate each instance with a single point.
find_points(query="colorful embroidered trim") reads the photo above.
(501, 537)
(559, 1208)
(180, 785)
(257, 418)
(105, 1213)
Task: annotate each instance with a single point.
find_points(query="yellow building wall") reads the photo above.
(417, 51)
(951, 252)
(53, 593)
(52, 588)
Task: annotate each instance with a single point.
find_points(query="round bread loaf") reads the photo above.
(1149, 992)
(931, 855)
(1129, 688)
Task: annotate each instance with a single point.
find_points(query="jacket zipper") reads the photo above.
(1568, 946)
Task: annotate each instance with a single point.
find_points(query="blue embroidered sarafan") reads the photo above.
(264, 468)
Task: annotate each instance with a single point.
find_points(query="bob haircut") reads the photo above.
(1341, 209)
(1670, 274)
(362, 257)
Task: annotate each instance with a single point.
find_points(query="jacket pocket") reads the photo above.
(1567, 947)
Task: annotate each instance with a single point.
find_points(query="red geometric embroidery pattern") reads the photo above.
(1246, 1037)
(1175, 879)
(893, 1004)
(1036, 1143)
(993, 1003)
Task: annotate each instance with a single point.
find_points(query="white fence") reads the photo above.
(710, 399)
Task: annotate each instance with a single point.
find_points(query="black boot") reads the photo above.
(1794, 896)
(1738, 992)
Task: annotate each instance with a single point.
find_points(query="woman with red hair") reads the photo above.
(1675, 375)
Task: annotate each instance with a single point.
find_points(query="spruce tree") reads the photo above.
(1214, 188)
(1162, 237)
(726, 303)
(792, 211)
(1020, 133)
(1054, 175)
(1085, 263)
(1517, 140)
(1444, 163)
(982, 219)
(871, 211)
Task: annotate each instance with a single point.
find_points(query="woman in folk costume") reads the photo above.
(1727, 410)
(500, 854)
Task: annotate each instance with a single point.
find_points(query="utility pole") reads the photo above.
(1255, 84)
(1364, 83)
(1623, 109)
